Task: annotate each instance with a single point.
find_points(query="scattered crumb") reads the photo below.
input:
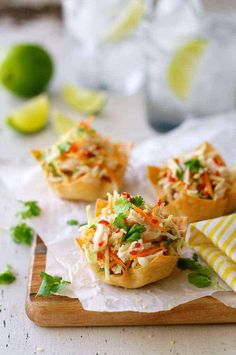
(172, 342)
(150, 336)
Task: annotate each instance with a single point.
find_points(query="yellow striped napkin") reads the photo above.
(215, 241)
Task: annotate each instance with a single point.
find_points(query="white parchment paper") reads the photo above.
(64, 258)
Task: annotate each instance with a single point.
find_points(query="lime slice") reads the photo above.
(31, 117)
(130, 18)
(183, 67)
(84, 101)
(61, 123)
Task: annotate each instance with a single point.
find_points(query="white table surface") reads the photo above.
(125, 118)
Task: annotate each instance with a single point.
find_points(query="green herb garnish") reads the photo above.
(180, 174)
(92, 226)
(31, 209)
(120, 221)
(194, 165)
(22, 234)
(89, 131)
(138, 201)
(199, 280)
(53, 169)
(122, 205)
(51, 285)
(169, 241)
(134, 233)
(201, 277)
(195, 257)
(64, 147)
(72, 222)
(75, 222)
(7, 276)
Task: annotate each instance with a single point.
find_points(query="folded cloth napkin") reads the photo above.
(215, 241)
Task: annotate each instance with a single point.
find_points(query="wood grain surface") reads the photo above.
(56, 311)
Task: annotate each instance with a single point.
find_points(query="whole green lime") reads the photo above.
(26, 69)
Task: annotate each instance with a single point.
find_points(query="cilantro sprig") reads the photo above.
(51, 285)
(138, 201)
(30, 209)
(7, 276)
(123, 204)
(194, 165)
(120, 222)
(22, 234)
(64, 147)
(75, 222)
(201, 275)
(134, 233)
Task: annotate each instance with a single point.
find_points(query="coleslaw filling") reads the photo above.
(201, 174)
(83, 151)
(129, 233)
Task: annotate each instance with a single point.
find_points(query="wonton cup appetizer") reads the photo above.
(198, 185)
(83, 165)
(131, 244)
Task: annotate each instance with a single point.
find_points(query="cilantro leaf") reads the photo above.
(72, 222)
(64, 147)
(120, 222)
(22, 234)
(195, 257)
(51, 285)
(170, 241)
(179, 174)
(53, 169)
(186, 263)
(134, 233)
(194, 165)
(75, 222)
(7, 276)
(201, 277)
(138, 201)
(199, 280)
(122, 205)
(31, 209)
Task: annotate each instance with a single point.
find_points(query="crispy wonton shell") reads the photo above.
(158, 269)
(195, 208)
(87, 187)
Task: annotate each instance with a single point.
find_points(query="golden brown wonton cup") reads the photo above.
(158, 269)
(87, 187)
(195, 208)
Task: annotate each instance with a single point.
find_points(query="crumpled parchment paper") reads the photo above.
(64, 258)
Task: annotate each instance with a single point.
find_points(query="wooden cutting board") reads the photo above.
(56, 311)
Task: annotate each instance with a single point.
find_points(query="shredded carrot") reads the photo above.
(112, 263)
(153, 221)
(218, 160)
(207, 182)
(145, 252)
(80, 242)
(116, 258)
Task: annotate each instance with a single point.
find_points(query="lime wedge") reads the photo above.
(129, 19)
(61, 123)
(183, 67)
(31, 117)
(84, 101)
